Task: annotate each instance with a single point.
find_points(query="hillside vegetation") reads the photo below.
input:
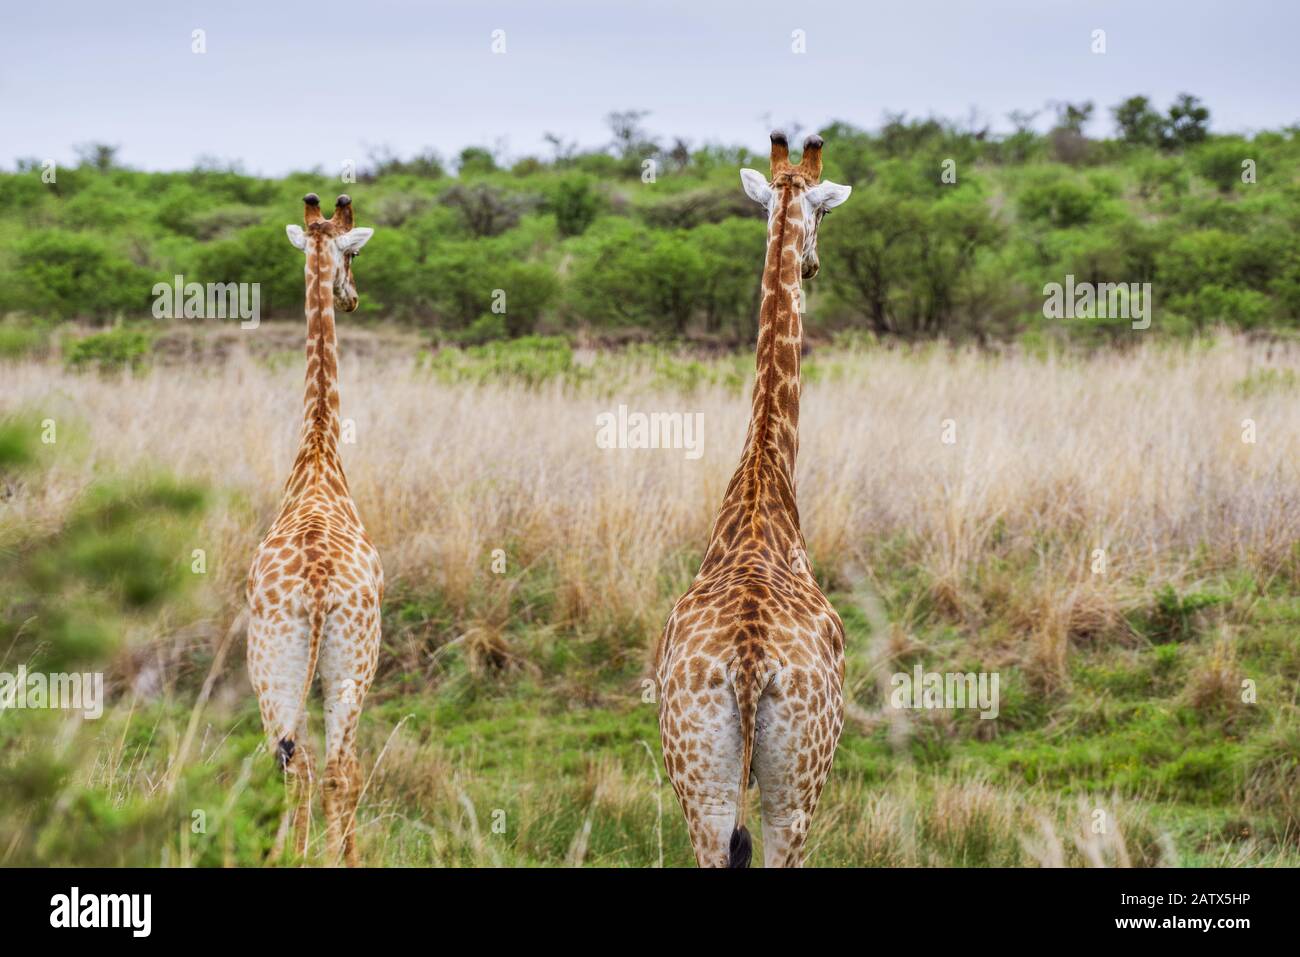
(951, 232)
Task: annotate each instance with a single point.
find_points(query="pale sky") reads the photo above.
(292, 85)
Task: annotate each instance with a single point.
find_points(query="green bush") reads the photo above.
(258, 254)
(125, 347)
(1213, 304)
(575, 203)
(74, 275)
(532, 360)
(1060, 203)
(906, 267)
(465, 280)
(1221, 163)
(1173, 617)
(630, 275)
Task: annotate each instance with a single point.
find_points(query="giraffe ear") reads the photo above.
(828, 195)
(756, 187)
(296, 236)
(354, 239)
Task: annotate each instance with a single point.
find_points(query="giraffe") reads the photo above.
(316, 584)
(751, 661)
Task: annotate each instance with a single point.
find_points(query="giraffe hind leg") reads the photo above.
(704, 766)
(792, 759)
(342, 789)
(344, 684)
(296, 819)
(277, 666)
(300, 793)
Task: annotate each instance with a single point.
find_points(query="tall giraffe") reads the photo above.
(316, 583)
(751, 662)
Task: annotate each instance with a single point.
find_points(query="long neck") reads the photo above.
(321, 401)
(774, 418)
(760, 500)
(318, 465)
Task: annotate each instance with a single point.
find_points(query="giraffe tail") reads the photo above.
(749, 678)
(316, 626)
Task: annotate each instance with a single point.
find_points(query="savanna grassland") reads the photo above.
(510, 722)
(1112, 527)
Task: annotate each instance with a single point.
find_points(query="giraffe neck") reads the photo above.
(774, 419)
(321, 401)
(318, 462)
(760, 500)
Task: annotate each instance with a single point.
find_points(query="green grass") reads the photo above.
(501, 768)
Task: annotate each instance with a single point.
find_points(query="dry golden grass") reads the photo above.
(1140, 454)
(1137, 453)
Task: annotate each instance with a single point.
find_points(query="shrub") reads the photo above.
(1060, 203)
(627, 274)
(73, 275)
(1173, 617)
(259, 254)
(125, 347)
(531, 360)
(575, 203)
(465, 280)
(485, 211)
(1220, 163)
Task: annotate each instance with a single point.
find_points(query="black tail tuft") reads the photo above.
(742, 848)
(286, 755)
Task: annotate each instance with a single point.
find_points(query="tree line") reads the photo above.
(952, 231)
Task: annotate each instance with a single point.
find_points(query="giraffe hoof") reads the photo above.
(311, 199)
(286, 753)
(778, 136)
(813, 142)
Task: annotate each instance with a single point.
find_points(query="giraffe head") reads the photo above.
(794, 195)
(331, 245)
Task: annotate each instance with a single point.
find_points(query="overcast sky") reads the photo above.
(290, 85)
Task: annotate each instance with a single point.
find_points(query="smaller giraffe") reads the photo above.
(751, 662)
(316, 584)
